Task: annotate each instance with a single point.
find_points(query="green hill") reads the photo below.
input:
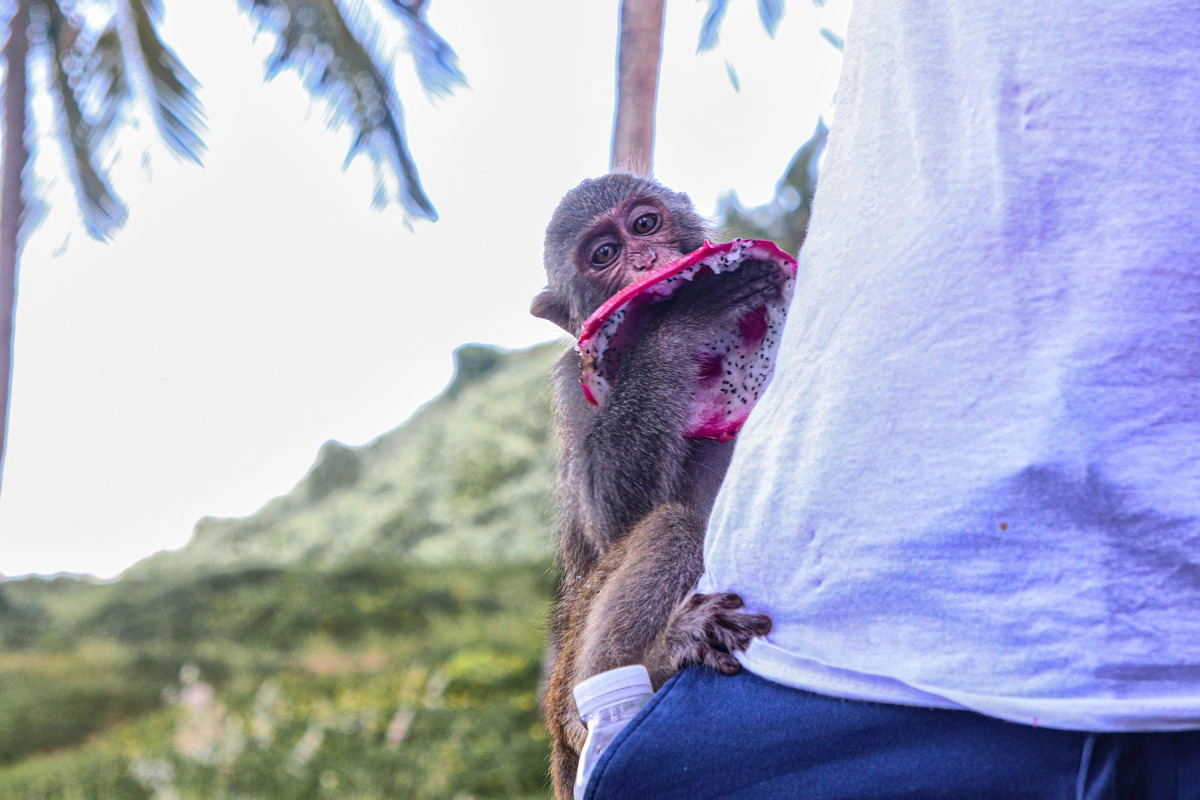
(375, 633)
(468, 477)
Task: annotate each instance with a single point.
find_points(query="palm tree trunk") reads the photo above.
(638, 54)
(12, 165)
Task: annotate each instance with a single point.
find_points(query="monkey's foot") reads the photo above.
(708, 628)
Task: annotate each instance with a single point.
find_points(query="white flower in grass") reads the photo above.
(397, 729)
(308, 746)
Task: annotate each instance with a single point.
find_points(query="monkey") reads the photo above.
(634, 492)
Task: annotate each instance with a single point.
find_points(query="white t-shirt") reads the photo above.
(975, 479)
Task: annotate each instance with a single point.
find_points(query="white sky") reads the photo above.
(257, 307)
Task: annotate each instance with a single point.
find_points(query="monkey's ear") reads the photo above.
(550, 305)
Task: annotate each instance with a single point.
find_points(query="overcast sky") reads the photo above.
(256, 307)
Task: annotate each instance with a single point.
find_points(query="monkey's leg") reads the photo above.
(637, 607)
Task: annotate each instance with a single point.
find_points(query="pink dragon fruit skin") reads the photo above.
(734, 370)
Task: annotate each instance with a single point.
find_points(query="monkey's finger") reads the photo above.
(762, 290)
(747, 624)
(721, 662)
(726, 601)
(756, 624)
(734, 631)
(752, 268)
(712, 605)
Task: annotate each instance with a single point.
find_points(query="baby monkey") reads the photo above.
(634, 492)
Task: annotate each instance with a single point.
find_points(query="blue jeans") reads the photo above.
(705, 735)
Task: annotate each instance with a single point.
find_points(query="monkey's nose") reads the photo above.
(643, 261)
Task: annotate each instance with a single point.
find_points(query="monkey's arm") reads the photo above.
(635, 448)
(635, 445)
(619, 462)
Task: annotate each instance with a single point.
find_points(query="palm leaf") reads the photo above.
(177, 110)
(434, 58)
(770, 12)
(314, 38)
(837, 41)
(710, 28)
(107, 85)
(102, 211)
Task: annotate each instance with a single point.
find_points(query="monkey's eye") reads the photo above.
(646, 224)
(605, 254)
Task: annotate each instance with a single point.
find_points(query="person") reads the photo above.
(970, 499)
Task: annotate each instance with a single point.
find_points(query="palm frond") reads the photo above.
(770, 12)
(107, 85)
(838, 42)
(22, 201)
(177, 110)
(102, 211)
(314, 38)
(710, 28)
(434, 58)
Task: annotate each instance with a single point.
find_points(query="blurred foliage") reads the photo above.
(784, 220)
(337, 467)
(770, 12)
(338, 49)
(376, 633)
(472, 362)
(370, 680)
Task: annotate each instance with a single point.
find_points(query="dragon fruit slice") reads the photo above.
(734, 369)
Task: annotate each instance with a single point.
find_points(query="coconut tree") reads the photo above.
(639, 53)
(103, 63)
(91, 68)
(335, 45)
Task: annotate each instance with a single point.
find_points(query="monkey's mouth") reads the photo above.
(733, 370)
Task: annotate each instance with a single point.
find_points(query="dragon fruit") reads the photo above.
(734, 369)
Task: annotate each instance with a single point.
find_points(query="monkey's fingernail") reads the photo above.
(731, 601)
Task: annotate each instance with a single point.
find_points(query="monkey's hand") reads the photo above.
(708, 628)
(716, 302)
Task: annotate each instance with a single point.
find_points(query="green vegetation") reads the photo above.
(370, 680)
(376, 633)
(784, 220)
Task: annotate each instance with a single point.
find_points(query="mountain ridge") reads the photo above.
(469, 476)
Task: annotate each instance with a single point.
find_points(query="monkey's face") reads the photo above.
(607, 233)
(623, 245)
